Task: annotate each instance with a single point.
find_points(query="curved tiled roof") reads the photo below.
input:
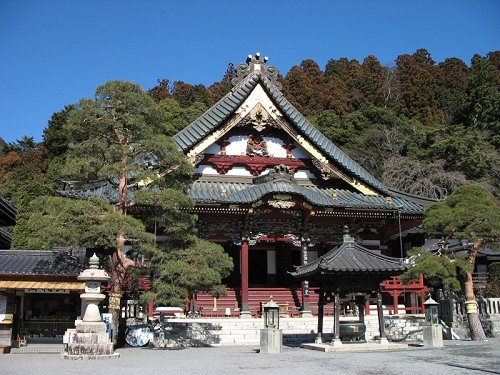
(7, 212)
(211, 192)
(350, 258)
(217, 114)
(232, 192)
(39, 262)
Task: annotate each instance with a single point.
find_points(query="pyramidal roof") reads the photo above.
(350, 258)
(195, 138)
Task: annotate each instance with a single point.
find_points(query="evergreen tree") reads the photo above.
(483, 98)
(118, 137)
(471, 214)
(453, 83)
(416, 75)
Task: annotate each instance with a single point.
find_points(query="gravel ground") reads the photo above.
(456, 357)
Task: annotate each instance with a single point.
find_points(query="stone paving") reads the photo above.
(456, 357)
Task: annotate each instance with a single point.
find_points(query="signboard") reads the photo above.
(47, 291)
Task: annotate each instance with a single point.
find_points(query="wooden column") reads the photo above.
(150, 309)
(244, 277)
(380, 310)
(305, 284)
(336, 320)
(321, 310)
(361, 310)
(367, 306)
(395, 295)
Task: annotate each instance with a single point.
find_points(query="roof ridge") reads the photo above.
(374, 254)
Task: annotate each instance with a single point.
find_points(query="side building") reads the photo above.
(39, 294)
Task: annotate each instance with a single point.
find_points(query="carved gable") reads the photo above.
(254, 128)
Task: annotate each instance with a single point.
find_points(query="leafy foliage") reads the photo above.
(469, 213)
(23, 172)
(199, 265)
(493, 286)
(50, 222)
(108, 133)
(183, 264)
(438, 270)
(177, 118)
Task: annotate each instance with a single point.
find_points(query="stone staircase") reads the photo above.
(232, 332)
(34, 346)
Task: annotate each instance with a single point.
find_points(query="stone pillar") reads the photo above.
(245, 311)
(306, 309)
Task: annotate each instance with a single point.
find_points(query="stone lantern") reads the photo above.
(271, 314)
(93, 277)
(432, 331)
(89, 340)
(431, 311)
(271, 335)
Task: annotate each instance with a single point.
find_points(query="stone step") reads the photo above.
(39, 349)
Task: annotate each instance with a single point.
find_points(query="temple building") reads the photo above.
(276, 193)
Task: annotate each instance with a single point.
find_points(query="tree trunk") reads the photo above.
(118, 264)
(117, 276)
(476, 329)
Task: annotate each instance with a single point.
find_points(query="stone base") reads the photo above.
(89, 341)
(83, 357)
(270, 340)
(246, 315)
(382, 341)
(355, 347)
(91, 327)
(306, 314)
(90, 348)
(336, 343)
(433, 336)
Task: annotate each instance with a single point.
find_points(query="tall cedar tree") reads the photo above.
(417, 78)
(483, 98)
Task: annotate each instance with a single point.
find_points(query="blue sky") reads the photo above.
(53, 53)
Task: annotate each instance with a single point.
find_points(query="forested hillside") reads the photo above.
(419, 126)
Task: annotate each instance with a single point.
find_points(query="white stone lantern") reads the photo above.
(93, 277)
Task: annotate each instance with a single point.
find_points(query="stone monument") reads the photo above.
(89, 340)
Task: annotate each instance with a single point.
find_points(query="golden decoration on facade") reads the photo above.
(281, 204)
